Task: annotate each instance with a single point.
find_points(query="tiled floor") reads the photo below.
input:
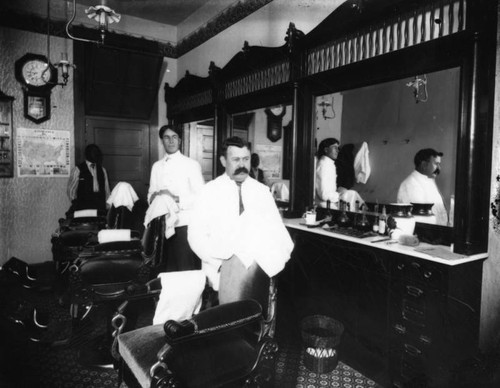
(292, 372)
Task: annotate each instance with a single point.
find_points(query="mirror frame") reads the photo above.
(260, 77)
(362, 43)
(194, 99)
(467, 48)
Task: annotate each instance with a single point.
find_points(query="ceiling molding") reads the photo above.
(231, 15)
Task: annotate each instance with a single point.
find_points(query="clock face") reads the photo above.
(36, 72)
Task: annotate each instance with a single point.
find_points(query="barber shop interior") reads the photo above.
(249, 193)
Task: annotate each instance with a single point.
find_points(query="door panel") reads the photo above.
(125, 148)
(206, 139)
(201, 148)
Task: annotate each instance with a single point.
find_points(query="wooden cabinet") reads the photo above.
(433, 319)
(406, 319)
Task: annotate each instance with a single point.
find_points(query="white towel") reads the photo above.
(85, 213)
(280, 191)
(163, 205)
(110, 235)
(180, 295)
(362, 169)
(123, 195)
(274, 244)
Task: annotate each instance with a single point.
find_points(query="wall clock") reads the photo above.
(37, 77)
(274, 122)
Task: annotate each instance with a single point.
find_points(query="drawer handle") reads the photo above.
(401, 266)
(400, 329)
(412, 350)
(424, 339)
(427, 274)
(414, 291)
(413, 310)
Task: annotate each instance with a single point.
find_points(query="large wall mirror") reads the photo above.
(394, 120)
(268, 130)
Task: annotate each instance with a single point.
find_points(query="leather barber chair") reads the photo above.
(71, 238)
(229, 345)
(109, 274)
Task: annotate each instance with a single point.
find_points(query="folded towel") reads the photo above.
(123, 195)
(85, 213)
(110, 235)
(280, 191)
(163, 205)
(180, 295)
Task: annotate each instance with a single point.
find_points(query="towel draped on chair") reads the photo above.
(180, 295)
(123, 195)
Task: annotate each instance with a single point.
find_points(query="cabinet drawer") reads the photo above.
(415, 272)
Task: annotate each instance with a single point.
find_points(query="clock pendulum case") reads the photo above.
(37, 77)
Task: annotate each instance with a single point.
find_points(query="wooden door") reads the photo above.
(201, 148)
(125, 149)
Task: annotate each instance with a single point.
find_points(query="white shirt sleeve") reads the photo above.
(326, 181)
(153, 181)
(106, 183)
(73, 183)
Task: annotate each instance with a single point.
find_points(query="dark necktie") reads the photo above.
(242, 208)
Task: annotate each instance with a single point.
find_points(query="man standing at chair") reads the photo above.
(88, 186)
(237, 219)
(180, 178)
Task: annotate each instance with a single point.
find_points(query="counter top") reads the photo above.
(391, 245)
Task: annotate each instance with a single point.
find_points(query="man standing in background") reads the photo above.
(88, 186)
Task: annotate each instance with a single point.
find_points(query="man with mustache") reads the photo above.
(236, 222)
(420, 186)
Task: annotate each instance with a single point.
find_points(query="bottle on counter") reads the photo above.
(382, 222)
(375, 224)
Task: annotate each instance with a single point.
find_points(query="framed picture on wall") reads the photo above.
(6, 151)
(37, 106)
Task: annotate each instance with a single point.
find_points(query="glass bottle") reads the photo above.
(375, 224)
(382, 222)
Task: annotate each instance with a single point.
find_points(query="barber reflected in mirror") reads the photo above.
(420, 186)
(256, 172)
(326, 178)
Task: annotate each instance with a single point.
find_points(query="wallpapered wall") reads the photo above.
(30, 207)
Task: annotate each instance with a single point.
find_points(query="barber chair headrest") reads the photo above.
(111, 235)
(134, 245)
(85, 213)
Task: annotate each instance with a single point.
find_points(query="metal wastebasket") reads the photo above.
(320, 338)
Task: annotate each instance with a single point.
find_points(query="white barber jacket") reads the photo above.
(419, 188)
(326, 183)
(217, 231)
(182, 177)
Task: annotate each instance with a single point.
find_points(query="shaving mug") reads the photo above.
(310, 217)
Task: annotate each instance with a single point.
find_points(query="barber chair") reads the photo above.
(229, 345)
(71, 238)
(109, 274)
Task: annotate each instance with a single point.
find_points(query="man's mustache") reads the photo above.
(437, 171)
(240, 170)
